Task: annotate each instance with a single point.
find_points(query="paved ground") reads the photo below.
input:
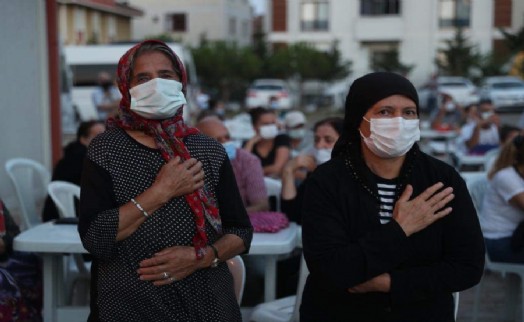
(492, 306)
(493, 301)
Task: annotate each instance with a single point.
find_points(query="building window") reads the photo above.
(111, 28)
(232, 26)
(379, 7)
(245, 29)
(378, 52)
(178, 22)
(80, 25)
(314, 16)
(455, 13)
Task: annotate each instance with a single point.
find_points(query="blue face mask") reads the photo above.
(231, 150)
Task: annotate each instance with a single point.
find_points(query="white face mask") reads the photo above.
(297, 133)
(486, 115)
(391, 137)
(269, 131)
(450, 106)
(157, 99)
(322, 155)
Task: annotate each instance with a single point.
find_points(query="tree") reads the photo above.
(225, 66)
(303, 62)
(165, 37)
(337, 67)
(459, 58)
(492, 64)
(390, 62)
(515, 43)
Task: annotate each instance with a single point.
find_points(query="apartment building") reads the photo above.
(189, 21)
(366, 29)
(95, 21)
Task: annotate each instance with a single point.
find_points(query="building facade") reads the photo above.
(95, 21)
(366, 29)
(190, 21)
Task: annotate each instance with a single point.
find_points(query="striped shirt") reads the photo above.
(386, 193)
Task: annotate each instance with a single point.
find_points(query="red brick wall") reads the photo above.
(279, 15)
(502, 16)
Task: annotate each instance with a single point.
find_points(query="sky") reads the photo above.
(259, 5)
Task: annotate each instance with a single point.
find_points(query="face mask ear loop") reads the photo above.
(362, 135)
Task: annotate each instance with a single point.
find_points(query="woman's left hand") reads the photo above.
(381, 283)
(169, 265)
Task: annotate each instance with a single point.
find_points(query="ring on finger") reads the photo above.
(165, 275)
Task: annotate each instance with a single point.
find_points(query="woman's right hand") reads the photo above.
(428, 207)
(179, 178)
(250, 144)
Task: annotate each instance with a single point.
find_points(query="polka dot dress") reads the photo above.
(118, 169)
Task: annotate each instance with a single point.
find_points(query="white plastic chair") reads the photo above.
(477, 189)
(238, 270)
(286, 309)
(30, 179)
(456, 303)
(63, 195)
(274, 188)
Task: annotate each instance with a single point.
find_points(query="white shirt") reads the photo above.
(498, 218)
(100, 97)
(486, 136)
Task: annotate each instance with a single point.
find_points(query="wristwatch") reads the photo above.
(215, 261)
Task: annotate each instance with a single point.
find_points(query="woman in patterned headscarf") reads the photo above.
(160, 210)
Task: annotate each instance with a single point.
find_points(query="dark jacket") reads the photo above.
(345, 245)
(69, 169)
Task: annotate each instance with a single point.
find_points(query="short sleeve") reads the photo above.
(282, 140)
(508, 184)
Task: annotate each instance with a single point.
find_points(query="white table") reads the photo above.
(52, 241)
(434, 134)
(477, 161)
(446, 136)
(270, 245)
(472, 175)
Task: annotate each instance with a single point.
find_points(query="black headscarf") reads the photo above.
(363, 94)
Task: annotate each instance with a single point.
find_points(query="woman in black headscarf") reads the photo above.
(389, 232)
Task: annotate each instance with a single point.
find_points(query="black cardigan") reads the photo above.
(345, 245)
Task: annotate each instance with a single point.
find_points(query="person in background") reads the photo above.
(295, 127)
(503, 203)
(326, 134)
(432, 85)
(271, 148)
(247, 168)
(160, 211)
(389, 232)
(105, 97)
(449, 115)
(216, 108)
(69, 168)
(20, 276)
(202, 99)
(481, 131)
(273, 103)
